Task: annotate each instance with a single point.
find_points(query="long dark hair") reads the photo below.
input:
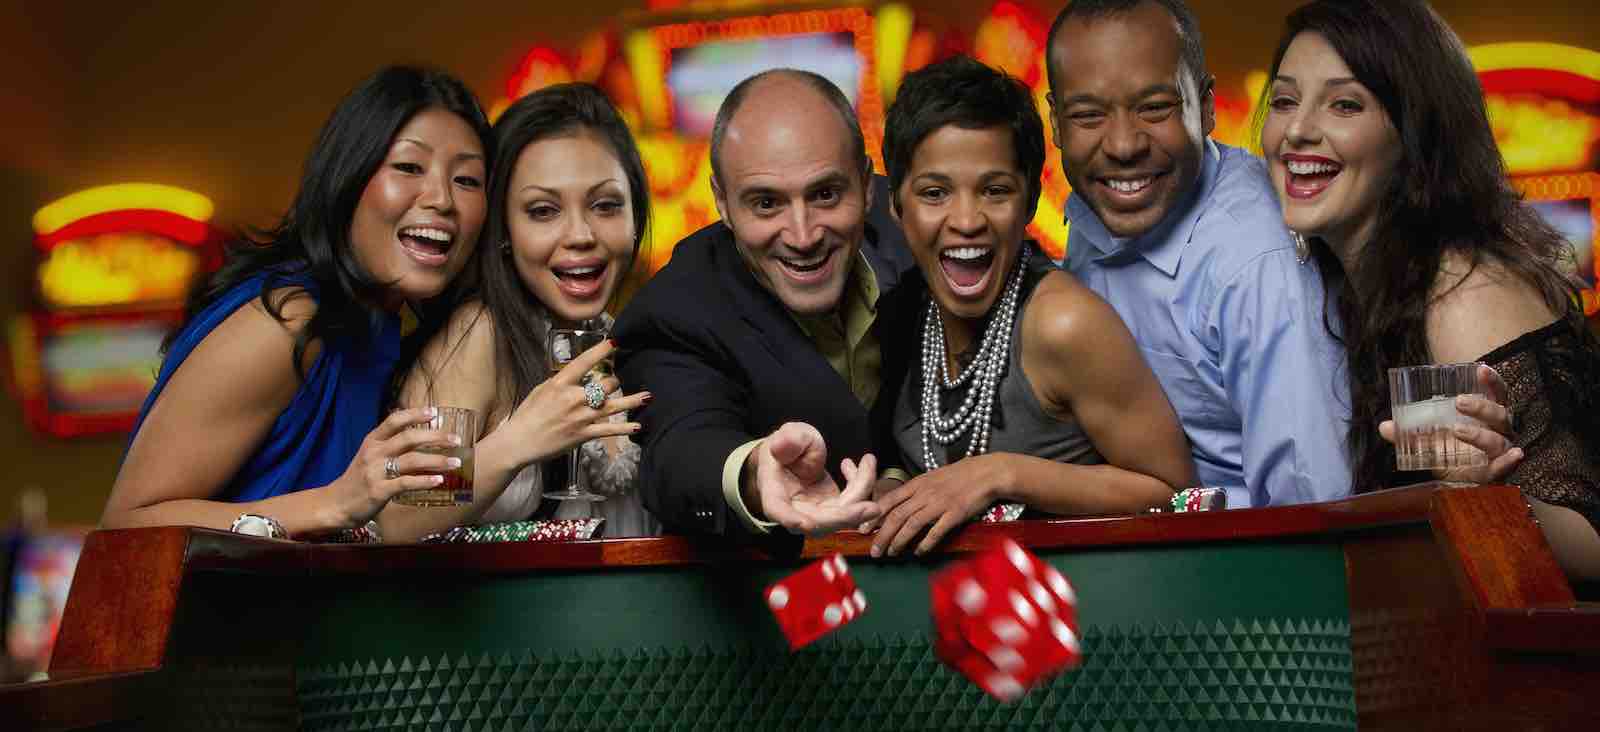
(520, 319)
(313, 238)
(1449, 195)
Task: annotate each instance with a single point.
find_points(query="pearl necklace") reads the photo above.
(985, 371)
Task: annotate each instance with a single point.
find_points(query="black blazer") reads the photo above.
(726, 364)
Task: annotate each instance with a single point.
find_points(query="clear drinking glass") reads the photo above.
(563, 345)
(456, 490)
(1424, 404)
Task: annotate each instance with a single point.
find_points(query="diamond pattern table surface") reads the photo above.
(1229, 674)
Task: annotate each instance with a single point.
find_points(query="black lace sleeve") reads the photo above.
(1553, 378)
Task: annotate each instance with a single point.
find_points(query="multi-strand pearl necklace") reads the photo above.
(985, 371)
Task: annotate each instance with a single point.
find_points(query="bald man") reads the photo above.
(759, 338)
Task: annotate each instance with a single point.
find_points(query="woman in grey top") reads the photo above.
(1021, 386)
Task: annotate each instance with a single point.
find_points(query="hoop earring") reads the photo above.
(1302, 249)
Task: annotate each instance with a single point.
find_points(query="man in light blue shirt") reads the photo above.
(1183, 236)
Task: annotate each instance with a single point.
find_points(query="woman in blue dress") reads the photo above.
(262, 417)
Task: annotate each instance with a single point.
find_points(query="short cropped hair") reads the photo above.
(963, 92)
(828, 90)
(1191, 46)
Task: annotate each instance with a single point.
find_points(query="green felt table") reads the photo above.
(1260, 632)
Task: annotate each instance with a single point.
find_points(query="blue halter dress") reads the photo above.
(315, 437)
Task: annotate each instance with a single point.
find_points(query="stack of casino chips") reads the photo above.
(1199, 499)
(544, 530)
(1003, 512)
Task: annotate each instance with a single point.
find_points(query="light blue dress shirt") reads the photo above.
(1233, 326)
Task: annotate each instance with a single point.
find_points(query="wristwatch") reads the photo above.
(251, 524)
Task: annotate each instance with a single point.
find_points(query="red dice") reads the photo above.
(1006, 620)
(815, 600)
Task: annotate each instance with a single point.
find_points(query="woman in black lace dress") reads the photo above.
(1380, 149)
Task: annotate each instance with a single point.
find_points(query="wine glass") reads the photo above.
(563, 345)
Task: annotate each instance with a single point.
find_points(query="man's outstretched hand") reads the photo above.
(792, 486)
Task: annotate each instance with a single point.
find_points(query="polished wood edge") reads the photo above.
(1495, 549)
(221, 551)
(79, 703)
(1565, 630)
(121, 605)
(1312, 521)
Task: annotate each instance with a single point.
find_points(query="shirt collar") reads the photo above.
(1163, 245)
(865, 280)
(860, 293)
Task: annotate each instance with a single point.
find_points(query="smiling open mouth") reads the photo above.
(427, 244)
(1130, 189)
(806, 268)
(582, 281)
(967, 268)
(1308, 178)
(1129, 186)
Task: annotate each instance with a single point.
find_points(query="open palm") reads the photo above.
(798, 492)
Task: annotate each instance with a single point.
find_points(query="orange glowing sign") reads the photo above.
(539, 68)
(1537, 134)
(121, 244)
(115, 263)
(48, 222)
(664, 39)
(1540, 98)
(895, 30)
(117, 269)
(1571, 203)
(1012, 39)
(680, 192)
(1551, 69)
(1543, 100)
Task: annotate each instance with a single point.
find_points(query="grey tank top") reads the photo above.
(1019, 423)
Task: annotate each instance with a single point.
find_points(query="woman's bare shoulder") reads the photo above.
(1476, 309)
(458, 365)
(470, 333)
(1066, 318)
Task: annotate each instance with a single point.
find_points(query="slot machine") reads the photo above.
(1544, 104)
(114, 264)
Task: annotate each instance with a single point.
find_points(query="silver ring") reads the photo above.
(390, 471)
(593, 395)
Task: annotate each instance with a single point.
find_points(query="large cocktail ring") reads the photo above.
(390, 470)
(593, 395)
